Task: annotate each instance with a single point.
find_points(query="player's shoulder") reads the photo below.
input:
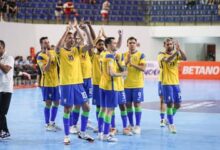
(141, 54)
(162, 52)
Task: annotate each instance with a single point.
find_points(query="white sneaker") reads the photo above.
(100, 136)
(90, 126)
(66, 140)
(131, 128)
(49, 127)
(108, 138)
(96, 130)
(85, 136)
(127, 131)
(172, 128)
(162, 123)
(56, 127)
(137, 130)
(74, 130)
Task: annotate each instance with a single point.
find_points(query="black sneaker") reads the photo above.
(86, 137)
(5, 135)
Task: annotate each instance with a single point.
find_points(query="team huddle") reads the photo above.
(84, 68)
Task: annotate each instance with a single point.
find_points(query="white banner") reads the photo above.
(152, 71)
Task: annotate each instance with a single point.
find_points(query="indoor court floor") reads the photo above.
(197, 123)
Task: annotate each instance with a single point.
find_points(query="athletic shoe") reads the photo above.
(90, 126)
(74, 130)
(137, 130)
(66, 140)
(84, 136)
(100, 136)
(113, 131)
(172, 128)
(162, 123)
(96, 130)
(127, 131)
(49, 127)
(5, 135)
(56, 127)
(109, 138)
(131, 128)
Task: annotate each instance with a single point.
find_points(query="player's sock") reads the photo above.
(101, 121)
(138, 113)
(107, 123)
(75, 116)
(71, 118)
(124, 118)
(66, 123)
(113, 120)
(47, 114)
(170, 115)
(130, 116)
(97, 113)
(84, 120)
(174, 110)
(53, 113)
(162, 115)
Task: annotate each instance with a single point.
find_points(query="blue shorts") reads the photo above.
(171, 94)
(73, 95)
(87, 84)
(109, 99)
(134, 95)
(96, 95)
(121, 98)
(160, 89)
(50, 93)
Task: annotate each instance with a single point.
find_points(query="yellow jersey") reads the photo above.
(121, 62)
(160, 65)
(135, 77)
(108, 82)
(86, 64)
(49, 78)
(96, 69)
(170, 73)
(70, 66)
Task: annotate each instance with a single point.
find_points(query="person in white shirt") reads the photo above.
(105, 12)
(6, 88)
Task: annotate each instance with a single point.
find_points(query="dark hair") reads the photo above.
(167, 40)
(131, 38)
(43, 38)
(2, 43)
(108, 40)
(99, 41)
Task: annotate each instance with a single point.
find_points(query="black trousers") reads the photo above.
(5, 99)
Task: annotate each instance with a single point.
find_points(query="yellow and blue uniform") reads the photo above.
(160, 89)
(134, 82)
(49, 79)
(86, 66)
(170, 78)
(120, 80)
(96, 76)
(71, 79)
(109, 87)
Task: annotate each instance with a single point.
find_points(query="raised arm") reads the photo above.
(92, 32)
(119, 43)
(61, 41)
(182, 54)
(89, 43)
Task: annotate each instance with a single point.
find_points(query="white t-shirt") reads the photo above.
(6, 80)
